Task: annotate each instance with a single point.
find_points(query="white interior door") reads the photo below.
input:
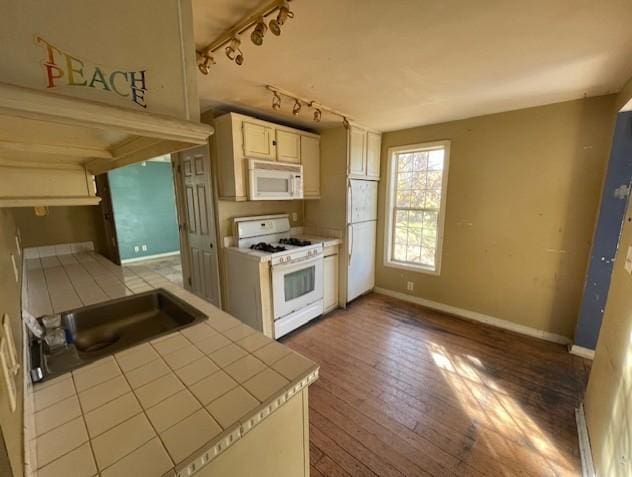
(361, 273)
(194, 173)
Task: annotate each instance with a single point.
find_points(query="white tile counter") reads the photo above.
(164, 407)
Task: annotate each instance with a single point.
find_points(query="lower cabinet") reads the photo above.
(330, 276)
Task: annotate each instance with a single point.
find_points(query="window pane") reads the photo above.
(413, 254)
(403, 198)
(399, 253)
(435, 160)
(417, 199)
(401, 218)
(427, 256)
(404, 162)
(428, 240)
(414, 236)
(430, 221)
(434, 180)
(418, 180)
(433, 199)
(415, 218)
(401, 234)
(404, 180)
(420, 161)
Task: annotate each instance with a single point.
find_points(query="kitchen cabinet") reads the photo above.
(364, 153)
(258, 141)
(373, 152)
(288, 146)
(310, 158)
(239, 138)
(330, 277)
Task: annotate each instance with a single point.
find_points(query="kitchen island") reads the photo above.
(217, 398)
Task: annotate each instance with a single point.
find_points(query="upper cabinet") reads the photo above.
(364, 149)
(258, 141)
(288, 145)
(239, 138)
(310, 158)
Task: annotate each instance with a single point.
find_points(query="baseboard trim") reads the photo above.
(588, 469)
(581, 351)
(149, 257)
(475, 316)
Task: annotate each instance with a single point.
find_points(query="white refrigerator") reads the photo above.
(361, 229)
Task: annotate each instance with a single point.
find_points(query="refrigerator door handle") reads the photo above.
(350, 204)
(350, 242)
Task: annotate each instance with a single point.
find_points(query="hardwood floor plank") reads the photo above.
(408, 391)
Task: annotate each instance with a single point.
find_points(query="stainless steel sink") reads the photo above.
(96, 331)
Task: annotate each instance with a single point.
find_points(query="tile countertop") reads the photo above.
(163, 407)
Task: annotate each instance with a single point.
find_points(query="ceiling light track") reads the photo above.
(310, 103)
(231, 38)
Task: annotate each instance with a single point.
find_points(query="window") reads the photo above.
(416, 190)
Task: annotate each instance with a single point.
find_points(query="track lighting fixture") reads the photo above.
(205, 66)
(260, 30)
(255, 23)
(276, 101)
(297, 107)
(282, 16)
(233, 52)
(299, 102)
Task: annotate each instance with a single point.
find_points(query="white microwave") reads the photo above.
(270, 180)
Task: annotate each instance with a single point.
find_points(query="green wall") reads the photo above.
(144, 209)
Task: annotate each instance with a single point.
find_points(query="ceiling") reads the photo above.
(403, 63)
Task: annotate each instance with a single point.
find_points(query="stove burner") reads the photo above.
(296, 242)
(266, 247)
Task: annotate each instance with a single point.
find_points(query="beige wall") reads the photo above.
(61, 225)
(523, 192)
(608, 401)
(10, 299)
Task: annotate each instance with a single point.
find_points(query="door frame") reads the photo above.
(185, 256)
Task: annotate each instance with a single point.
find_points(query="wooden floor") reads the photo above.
(404, 391)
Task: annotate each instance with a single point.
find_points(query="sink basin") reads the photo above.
(100, 330)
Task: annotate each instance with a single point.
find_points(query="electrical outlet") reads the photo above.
(410, 286)
(136, 248)
(294, 217)
(144, 247)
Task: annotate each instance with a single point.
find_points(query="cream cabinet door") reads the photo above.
(288, 146)
(373, 150)
(258, 141)
(330, 289)
(310, 158)
(357, 152)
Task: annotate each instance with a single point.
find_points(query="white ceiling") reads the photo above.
(402, 63)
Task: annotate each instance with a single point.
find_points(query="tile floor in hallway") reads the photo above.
(168, 267)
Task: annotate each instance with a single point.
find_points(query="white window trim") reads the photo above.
(390, 199)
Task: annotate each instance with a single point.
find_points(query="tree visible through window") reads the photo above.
(416, 188)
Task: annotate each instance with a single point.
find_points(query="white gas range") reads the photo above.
(275, 281)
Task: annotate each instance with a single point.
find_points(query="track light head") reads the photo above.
(276, 101)
(258, 33)
(282, 16)
(345, 122)
(317, 115)
(205, 66)
(297, 107)
(232, 50)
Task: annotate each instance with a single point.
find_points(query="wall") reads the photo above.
(614, 199)
(523, 192)
(607, 403)
(61, 225)
(11, 424)
(144, 206)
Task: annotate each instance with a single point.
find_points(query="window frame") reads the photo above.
(389, 229)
